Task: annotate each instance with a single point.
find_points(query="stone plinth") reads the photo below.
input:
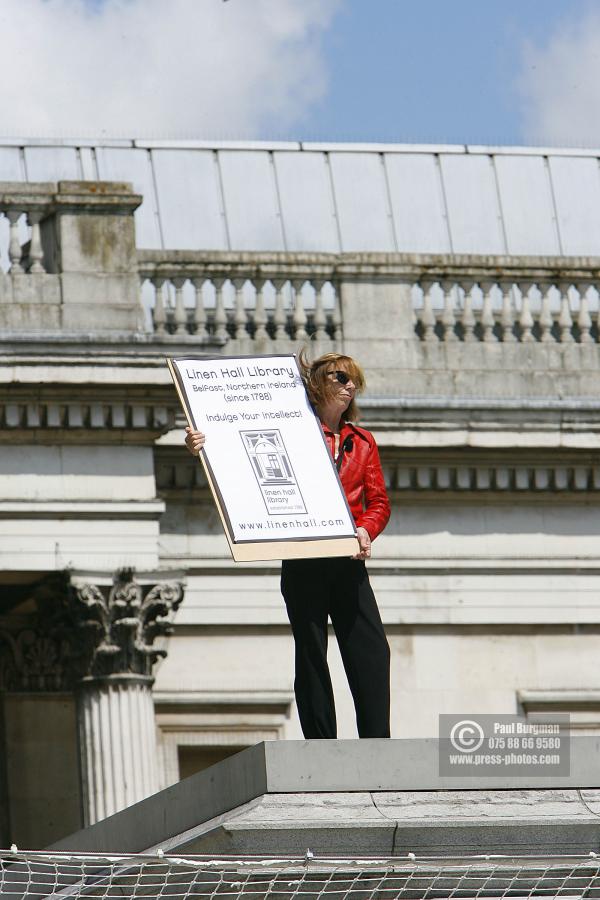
(358, 797)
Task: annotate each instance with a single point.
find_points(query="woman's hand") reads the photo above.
(364, 542)
(194, 441)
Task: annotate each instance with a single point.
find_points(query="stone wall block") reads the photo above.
(470, 356)
(93, 304)
(580, 356)
(501, 384)
(370, 308)
(97, 242)
(29, 317)
(515, 356)
(6, 289)
(590, 356)
(376, 308)
(554, 356)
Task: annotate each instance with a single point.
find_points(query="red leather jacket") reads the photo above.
(361, 477)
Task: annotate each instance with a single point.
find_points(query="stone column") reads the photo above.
(117, 745)
(118, 624)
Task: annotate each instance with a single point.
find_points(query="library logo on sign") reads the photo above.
(273, 471)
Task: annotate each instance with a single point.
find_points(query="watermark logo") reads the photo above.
(467, 736)
(502, 745)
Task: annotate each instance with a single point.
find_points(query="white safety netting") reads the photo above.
(44, 875)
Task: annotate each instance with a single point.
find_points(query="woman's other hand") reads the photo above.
(364, 543)
(194, 441)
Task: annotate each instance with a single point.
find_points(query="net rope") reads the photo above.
(30, 875)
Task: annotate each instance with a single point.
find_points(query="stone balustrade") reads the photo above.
(250, 298)
(551, 300)
(466, 326)
(27, 282)
(217, 297)
(24, 206)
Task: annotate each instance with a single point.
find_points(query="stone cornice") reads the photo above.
(493, 469)
(577, 479)
(410, 471)
(471, 404)
(82, 509)
(415, 265)
(131, 413)
(563, 700)
(92, 415)
(79, 196)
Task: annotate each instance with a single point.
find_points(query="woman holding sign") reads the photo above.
(338, 588)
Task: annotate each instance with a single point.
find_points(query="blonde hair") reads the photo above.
(321, 389)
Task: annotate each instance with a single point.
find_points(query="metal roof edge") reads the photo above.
(357, 147)
(191, 144)
(517, 150)
(15, 141)
(306, 146)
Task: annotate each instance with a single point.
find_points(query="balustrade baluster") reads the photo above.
(487, 313)
(584, 320)
(179, 314)
(36, 254)
(467, 318)
(448, 317)
(546, 318)
(525, 318)
(239, 315)
(220, 314)
(336, 317)
(279, 317)
(260, 315)
(299, 314)
(565, 319)
(508, 313)
(199, 317)
(427, 315)
(159, 315)
(14, 247)
(320, 319)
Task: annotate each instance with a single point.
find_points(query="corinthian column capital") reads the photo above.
(120, 621)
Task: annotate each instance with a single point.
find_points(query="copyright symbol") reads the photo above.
(466, 736)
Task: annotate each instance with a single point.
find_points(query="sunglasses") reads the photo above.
(340, 376)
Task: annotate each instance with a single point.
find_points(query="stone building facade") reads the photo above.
(133, 652)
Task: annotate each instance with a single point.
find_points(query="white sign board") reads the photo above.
(265, 457)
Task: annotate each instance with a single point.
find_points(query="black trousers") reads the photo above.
(314, 589)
